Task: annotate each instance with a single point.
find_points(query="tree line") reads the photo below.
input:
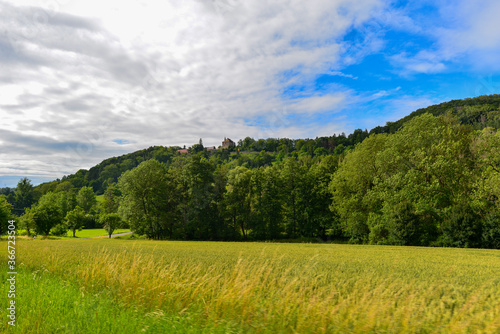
(479, 112)
(433, 182)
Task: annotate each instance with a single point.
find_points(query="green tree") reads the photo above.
(66, 201)
(267, 202)
(428, 163)
(75, 220)
(24, 195)
(110, 203)
(110, 222)
(147, 202)
(27, 221)
(5, 214)
(293, 178)
(86, 199)
(324, 221)
(238, 198)
(202, 210)
(64, 186)
(352, 184)
(47, 213)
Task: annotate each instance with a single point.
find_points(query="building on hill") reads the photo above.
(183, 151)
(210, 148)
(227, 143)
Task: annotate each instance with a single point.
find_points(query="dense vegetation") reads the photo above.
(429, 179)
(79, 286)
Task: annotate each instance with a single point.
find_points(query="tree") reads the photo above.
(400, 188)
(27, 221)
(201, 211)
(86, 199)
(427, 165)
(238, 198)
(292, 178)
(110, 222)
(196, 148)
(47, 213)
(146, 200)
(66, 201)
(324, 222)
(267, 202)
(110, 203)
(5, 214)
(352, 184)
(64, 186)
(24, 196)
(75, 220)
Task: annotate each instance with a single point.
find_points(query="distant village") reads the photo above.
(226, 144)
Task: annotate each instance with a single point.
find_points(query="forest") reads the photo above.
(429, 179)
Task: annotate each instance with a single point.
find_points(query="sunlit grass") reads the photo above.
(47, 304)
(85, 233)
(96, 232)
(272, 288)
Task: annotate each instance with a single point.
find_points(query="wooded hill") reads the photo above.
(479, 113)
(430, 179)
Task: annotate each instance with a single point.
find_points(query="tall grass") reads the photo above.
(47, 304)
(286, 288)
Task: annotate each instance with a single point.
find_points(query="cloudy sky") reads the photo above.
(81, 81)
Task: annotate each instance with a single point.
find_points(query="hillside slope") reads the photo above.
(479, 112)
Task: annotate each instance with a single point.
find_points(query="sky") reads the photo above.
(82, 81)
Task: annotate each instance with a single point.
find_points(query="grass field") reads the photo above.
(127, 286)
(85, 233)
(96, 232)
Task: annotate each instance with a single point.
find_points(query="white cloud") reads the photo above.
(158, 73)
(464, 34)
(423, 62)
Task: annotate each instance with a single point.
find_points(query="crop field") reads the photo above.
(142, 286)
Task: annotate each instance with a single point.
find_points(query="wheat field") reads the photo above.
(270, 287)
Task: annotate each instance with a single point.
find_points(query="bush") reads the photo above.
(462, 228)
(59, 230)
(491, 231)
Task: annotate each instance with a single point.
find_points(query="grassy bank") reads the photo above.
(273, 288)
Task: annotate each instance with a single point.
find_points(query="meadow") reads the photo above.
(85, 233)
(131, 286)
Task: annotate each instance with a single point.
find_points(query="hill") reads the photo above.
(479, 112)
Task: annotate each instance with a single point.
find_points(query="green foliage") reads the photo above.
(75, 219)
(237, 200)
(409, 188)
(27, 221)
(145, 202)
(86, 199)
(463, 227)
(47, 213)
(5, 214)
(403, 184)
(59, 230)
(491, 231)
(110, 222)
(24, 195)
(352, 187)
(110, 202)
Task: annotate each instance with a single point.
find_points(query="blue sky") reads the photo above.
(85, 81)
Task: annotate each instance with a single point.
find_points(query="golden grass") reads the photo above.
(303, 288)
